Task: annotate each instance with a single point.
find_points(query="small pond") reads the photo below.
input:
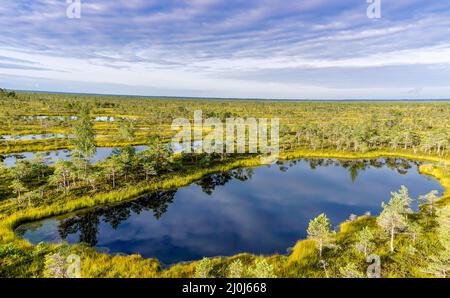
(102, 153)
(72, 118)
(40, 137)
(261, 210)
(34, 137)
(49, 117)
(9, 160)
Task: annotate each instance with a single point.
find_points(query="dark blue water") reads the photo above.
(263, 210)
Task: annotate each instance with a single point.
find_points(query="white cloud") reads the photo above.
(199, 46)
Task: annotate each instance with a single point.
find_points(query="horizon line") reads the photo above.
(231, 98)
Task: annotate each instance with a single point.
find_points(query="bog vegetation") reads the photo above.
(409, 244)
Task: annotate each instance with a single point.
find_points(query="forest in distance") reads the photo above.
(409, 234)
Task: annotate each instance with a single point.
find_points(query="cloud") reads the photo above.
(200, 45)
(18, 66)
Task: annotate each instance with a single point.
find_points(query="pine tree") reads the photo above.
(364, 241)
(236, 269)
(430, 199)
(439, 265)
(113, 169)
(61, 176)
(126, 130)
(18, 187)
(319, 229)
(204, 268)
(262, 269)
(401, 201)
(392, 221)
(84, 136)
(414, 230)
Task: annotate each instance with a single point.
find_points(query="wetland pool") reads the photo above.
(262, 210)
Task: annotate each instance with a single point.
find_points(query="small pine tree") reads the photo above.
(126, 131)
(262, 269)
(18, 188)
(439, 265)
(392, 221)
(364, 241)
(62, 174)
(236, 269)
(84, 136)
(430, 199)
(204, 268)
(319, 229)
(401, 201)
(414, 230)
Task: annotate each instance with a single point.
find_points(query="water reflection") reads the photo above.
(48, 117)
(40, 137)
(354, 167)
(71, 118)
(86, 224)
(262, 210)
(34, 137)
(209, 183)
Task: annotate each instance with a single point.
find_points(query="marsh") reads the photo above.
(262, 210)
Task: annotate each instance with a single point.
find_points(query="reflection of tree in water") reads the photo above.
(401, 165)
(158, 202)
(87, 223)
(209, 183)
(116, 215)
(356, 166)
(284, 166)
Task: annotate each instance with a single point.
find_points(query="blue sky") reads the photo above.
(311, 49)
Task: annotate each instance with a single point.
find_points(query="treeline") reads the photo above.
(357, 126)
(7, 94)
(368, 134)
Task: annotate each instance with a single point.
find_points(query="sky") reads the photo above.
(280, 49)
